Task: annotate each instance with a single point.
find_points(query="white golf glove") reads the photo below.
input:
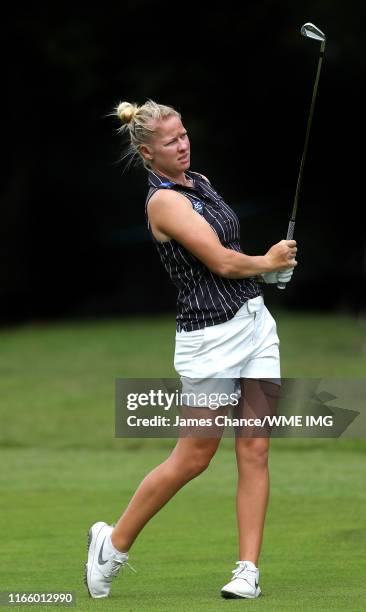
(284, 276)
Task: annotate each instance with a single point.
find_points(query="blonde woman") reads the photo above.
(223, 330)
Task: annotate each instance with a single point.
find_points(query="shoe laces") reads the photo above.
(116, 565)
(242, 570)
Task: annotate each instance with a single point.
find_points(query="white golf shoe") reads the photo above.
(101, 567)
(244, 583)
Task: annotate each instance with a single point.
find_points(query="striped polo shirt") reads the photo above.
(204, 299)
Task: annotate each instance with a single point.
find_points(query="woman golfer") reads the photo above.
(225, 336)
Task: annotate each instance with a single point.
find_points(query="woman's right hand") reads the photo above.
(282, 255)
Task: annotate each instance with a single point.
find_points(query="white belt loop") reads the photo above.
(255, 304)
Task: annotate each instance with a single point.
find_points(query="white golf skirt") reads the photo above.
(246, 346)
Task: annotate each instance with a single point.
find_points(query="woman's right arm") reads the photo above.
(171, 214)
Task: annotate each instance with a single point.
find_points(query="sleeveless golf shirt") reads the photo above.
(204, 299)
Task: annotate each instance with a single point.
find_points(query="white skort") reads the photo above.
(246, 346)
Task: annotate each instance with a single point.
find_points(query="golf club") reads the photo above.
(310, 31)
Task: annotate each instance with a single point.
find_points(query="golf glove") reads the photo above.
(284, 276)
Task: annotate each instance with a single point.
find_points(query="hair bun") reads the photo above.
(126, 111)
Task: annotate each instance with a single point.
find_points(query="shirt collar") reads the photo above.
(159, 180)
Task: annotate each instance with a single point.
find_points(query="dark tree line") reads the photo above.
(72, 227)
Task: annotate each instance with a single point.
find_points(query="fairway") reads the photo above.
(62, 469)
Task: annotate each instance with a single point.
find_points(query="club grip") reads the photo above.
(290, 235)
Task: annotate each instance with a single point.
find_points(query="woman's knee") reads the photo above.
(253, 451)
(194, 457)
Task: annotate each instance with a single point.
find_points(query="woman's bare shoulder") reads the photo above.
(164, 201)
(165, 196)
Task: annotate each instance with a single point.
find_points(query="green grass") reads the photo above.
(58, 381)
(313, 550)
(314, 345)
(62, 469)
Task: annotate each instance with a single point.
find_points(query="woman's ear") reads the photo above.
(146, 152)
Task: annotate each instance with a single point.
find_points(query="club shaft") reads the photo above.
(308, 127)
(290, 231)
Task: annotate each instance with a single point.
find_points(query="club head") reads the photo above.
(311, 31)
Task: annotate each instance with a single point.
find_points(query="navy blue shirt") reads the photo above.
(204, 299)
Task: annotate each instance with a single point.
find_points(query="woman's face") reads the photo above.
(169, 148)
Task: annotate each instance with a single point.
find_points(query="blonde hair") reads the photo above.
(139, 122)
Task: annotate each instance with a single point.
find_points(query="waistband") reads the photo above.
(249, 307)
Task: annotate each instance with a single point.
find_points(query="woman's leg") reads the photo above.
(190, 457)
(259, 398)
(252, 495)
